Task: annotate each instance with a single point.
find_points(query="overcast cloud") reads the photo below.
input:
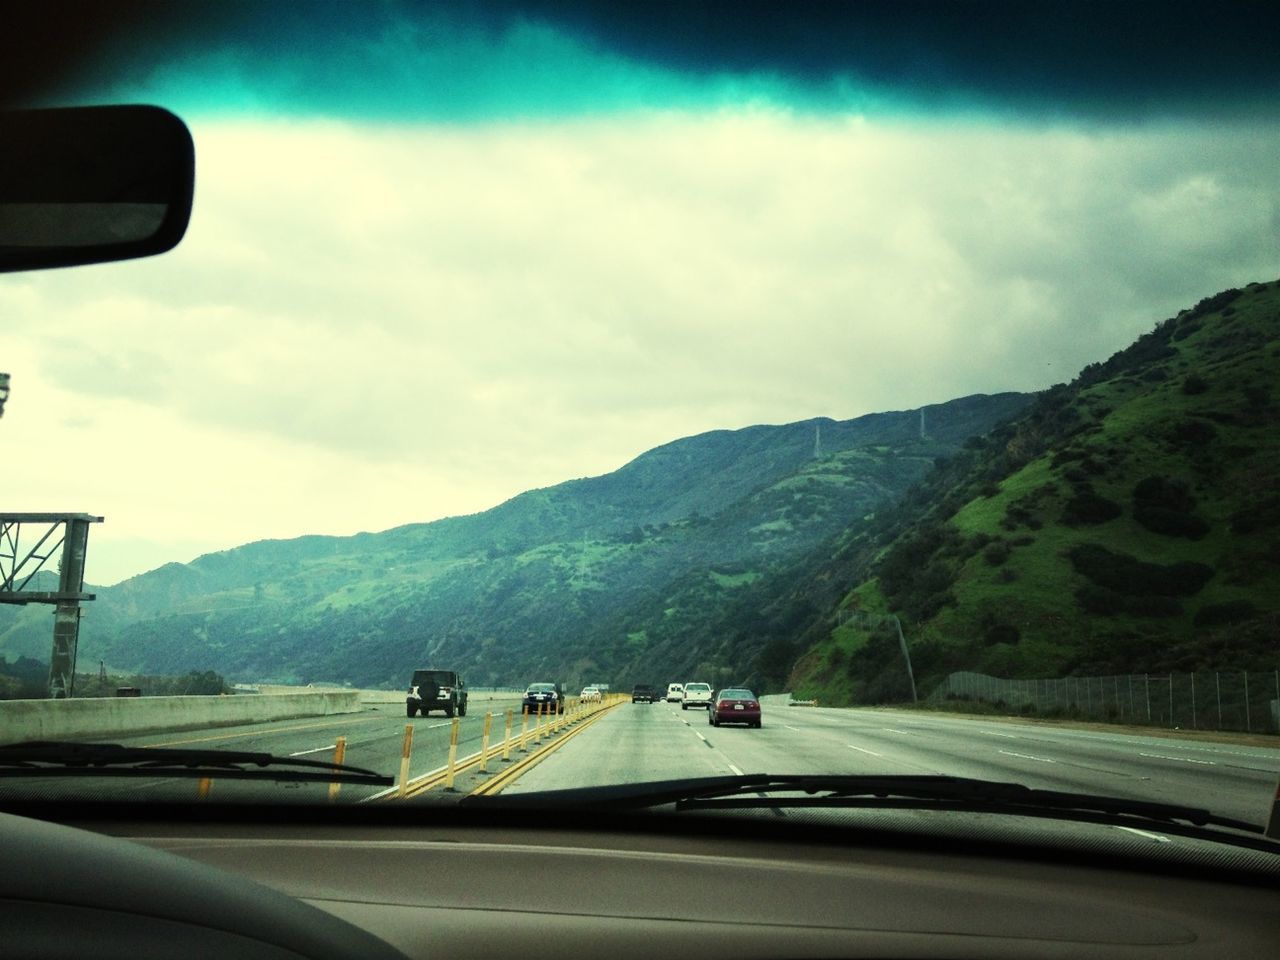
(375, 325)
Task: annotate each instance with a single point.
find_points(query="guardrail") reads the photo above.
(95, 716)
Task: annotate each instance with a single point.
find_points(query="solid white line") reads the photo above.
(992, 733)
(303, 753)
(862, 750)
(1026, 756)
(1157, 756)
(892, 730)
(735, 770)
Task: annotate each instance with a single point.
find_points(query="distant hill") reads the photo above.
(1127, 521)
(635, 573)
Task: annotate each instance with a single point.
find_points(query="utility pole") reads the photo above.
(902, 642)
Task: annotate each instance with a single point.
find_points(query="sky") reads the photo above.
(436, 260)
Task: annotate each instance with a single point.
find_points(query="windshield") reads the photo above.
(912, 374)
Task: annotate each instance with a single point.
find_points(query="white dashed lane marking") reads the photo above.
(863, 750)
(1158, 756)
(1027, 756)
(303, 753)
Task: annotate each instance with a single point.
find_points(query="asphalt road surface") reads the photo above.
(375, 738)
(661, 741)
(637, 742)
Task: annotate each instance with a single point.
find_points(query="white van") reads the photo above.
(675, 692)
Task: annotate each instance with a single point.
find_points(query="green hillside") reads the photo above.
(1125, 522)
(659, 568)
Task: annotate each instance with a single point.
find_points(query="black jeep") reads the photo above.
(436, 690)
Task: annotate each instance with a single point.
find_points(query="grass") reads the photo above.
(730, 580)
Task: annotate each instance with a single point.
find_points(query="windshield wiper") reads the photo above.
(68, 759)
(755, 791)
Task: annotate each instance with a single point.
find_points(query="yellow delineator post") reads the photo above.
(339, 754)
(538, 724)
(452, 768)
(524, 730)
(484, 743)
(506, 741)
(203, 786)
(405, 751)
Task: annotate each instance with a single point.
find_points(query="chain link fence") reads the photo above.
(1208, 700)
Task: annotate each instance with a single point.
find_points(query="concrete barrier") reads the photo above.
(107, 717)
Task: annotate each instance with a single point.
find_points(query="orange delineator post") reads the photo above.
(405, 751)
(451, 769)
(484, 743)
(339, 754)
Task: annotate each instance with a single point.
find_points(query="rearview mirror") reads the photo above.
(92, 184)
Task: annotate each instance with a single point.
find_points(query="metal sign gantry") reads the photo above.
(23, 554)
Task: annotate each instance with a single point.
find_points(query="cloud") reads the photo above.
(371, 324)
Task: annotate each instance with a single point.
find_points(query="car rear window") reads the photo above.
(443, 677)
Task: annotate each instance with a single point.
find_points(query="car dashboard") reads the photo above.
(436, 884)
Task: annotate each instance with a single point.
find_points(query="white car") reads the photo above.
(675, 692)
(696, 695)
(590, 695)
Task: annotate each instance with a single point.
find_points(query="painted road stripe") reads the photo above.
(893, 730)
(1157, 756)
(700, 736)
(864, 750)
(303, 753)
(1027, 756)
(992, 733)
(789, 727)
(736, 770)
(266, 732)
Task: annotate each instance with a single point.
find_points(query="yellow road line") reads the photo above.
(520, 767)
(264, 733)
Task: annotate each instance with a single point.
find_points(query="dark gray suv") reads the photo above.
(436, 690)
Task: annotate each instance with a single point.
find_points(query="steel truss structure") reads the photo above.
(24, 553)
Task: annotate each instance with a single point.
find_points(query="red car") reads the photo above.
(734, 705)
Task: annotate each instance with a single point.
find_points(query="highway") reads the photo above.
(661, 741)
(637, 742)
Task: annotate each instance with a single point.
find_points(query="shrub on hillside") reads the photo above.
(1185, 330)
(997, 553)
(1259, 515)
(1001, 633)
(1258, 396)
(1007, 575)
(1194, 384)
(1088, 508)
(1129, 575)
(1163, 505)
(1170, 523)
(1107, 603)
(1218, 614)
(1193, 432)
(1217, 302)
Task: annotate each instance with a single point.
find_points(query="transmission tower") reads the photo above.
(65, 535)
